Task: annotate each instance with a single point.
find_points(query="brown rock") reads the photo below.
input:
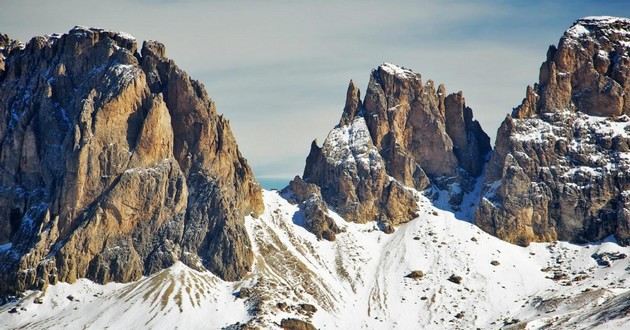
(416, 275)
(116, 165)
(353, 105)
(295, 324)
(314, 210)
(455, 279)
(404, 135)
(556, 173)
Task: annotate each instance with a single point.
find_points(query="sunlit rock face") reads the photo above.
(403, 137)
(561, 164)
(115, 164)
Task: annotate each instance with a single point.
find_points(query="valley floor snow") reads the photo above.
(359, 281)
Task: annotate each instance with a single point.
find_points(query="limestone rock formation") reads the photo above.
(115, 164)
(404, 134)
(561, 166)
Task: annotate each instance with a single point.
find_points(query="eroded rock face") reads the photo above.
(404, 134)
(561, 164)
(114, 164)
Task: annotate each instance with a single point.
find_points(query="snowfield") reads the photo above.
(469, 280)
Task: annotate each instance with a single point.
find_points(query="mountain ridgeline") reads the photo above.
(115, 164)
(559, 170)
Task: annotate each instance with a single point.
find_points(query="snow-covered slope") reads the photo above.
(359, 281)
(175, 297)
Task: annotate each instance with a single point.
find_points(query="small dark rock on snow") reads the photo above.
(455, 279)
(308, 308)
(416, 274)
(605, 259)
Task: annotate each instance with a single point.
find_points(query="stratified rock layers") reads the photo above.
(561, 166)
(114, 164)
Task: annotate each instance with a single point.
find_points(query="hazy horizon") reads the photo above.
(279, 70)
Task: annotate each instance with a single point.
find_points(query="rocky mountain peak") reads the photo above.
(115, 165)
(559, 170)
(404, 134)
(586, 72)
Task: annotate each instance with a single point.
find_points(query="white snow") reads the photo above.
(126, 72)
(351, 145)
(123, 35)
(584, 169)
(398, 71)
(531, 129)
(126, 35)
(356, 282)
(178, 296)
(598, 27)
(603, 19)
(577, 31)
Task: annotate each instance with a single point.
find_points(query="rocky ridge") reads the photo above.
(115, 164)
(559, 170)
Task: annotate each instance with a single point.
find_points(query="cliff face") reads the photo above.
(404, 134)
(561, 164)
(114, 164)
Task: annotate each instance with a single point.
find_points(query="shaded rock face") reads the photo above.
(404, 134)
(313, 207)
(115, 164)
(561, 164)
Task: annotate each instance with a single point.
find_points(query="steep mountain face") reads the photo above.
(561, 166)
(404, 134)
(114, 164)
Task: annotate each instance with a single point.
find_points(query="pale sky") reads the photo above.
(278, 70)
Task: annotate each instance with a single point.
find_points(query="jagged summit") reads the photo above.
(560, 166)
(81, 28)
(587, 71)
(403, 137)
(115, 164)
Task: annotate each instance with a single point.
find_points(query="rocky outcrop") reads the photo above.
(313, 207)
(7, 45)
(414, 120)
(561, 164)
(403, 137)
(114, 164)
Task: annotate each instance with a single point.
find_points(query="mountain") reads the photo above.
(405, 136)
(115, 165)
(560, 168)
(403, 218)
